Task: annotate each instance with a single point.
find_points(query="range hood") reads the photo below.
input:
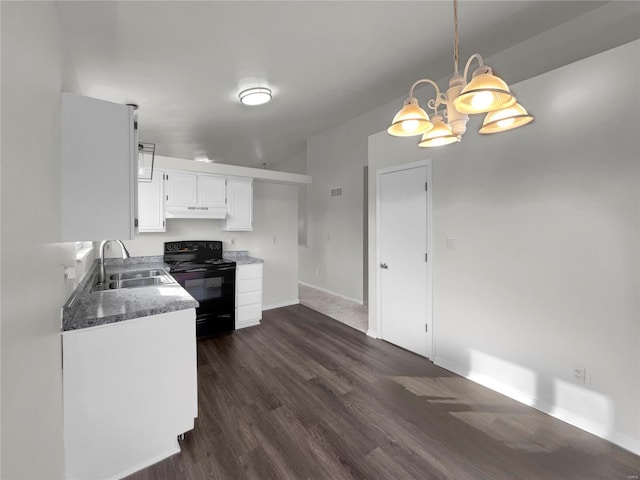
(174, 211)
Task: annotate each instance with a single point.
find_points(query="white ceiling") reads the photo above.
(184, 62)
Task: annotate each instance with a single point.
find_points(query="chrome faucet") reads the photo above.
(102, 276)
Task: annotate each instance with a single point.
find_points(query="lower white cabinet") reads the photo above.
(239, 204)
(248, 295)
(151, 204)
(130, 388)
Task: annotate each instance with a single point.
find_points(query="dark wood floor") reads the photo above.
(305, 397)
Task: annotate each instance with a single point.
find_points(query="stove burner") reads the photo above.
(218, 261)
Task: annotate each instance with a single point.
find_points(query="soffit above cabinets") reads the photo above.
(257, 174)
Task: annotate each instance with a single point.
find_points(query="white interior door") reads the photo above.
(404, 291)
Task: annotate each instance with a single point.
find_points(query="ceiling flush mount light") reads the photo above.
(485, 93)
(255, 96)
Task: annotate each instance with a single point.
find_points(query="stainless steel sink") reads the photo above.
(137, 274)
(138, 278)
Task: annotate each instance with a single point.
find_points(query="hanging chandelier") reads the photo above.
(485, 93)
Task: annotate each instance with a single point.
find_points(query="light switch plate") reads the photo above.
(451, 243)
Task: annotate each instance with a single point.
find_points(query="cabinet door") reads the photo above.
(151, 204)
(98, 169)
(211, 191)
(181, 188)
(240, 204)
(125, 410)
(248, 295)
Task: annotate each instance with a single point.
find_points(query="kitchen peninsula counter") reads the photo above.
(86, 309)
(241, 257)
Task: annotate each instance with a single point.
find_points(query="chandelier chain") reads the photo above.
(455, 37)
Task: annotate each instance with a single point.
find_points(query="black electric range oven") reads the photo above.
(199, 268)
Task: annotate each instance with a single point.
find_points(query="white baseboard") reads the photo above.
(561, 413)
(372, 333)
(286, 303)
(247, 323)
(359, 302)
(148, 463)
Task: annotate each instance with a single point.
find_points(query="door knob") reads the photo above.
(384, 265)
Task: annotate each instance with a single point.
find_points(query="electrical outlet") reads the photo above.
(580, 374)
(316, 272)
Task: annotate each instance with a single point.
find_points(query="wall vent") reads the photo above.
(336, 192)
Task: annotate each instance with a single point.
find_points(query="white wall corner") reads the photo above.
(330, 292)
(372, 333)
(286, 303)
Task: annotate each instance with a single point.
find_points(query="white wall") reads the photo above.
(336, 157)
(294, 164)
(298, 164)
(275, 216)
(33, 285)
(545, 273)
(333, 258)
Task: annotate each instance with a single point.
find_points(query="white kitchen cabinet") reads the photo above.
(194, 195)
(248, 295)
(181, 188)
(130, 389)
(151, 204)
(98, 169)
(239, 204)
(211, 191)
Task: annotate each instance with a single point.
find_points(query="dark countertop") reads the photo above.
(85, 309)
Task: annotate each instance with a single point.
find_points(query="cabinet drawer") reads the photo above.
(249, 312)
(249, 271)
(249, 285)
(249, 298)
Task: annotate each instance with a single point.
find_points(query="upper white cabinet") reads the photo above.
(211, 191)
(194, 195)
(98, 169)
(239, 204)
(151, 204)
(181, 188)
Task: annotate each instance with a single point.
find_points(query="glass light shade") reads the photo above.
(439, 135)
(255, 96)
(411, 120)
(484, 93)
(505, 119)
(146, 157)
